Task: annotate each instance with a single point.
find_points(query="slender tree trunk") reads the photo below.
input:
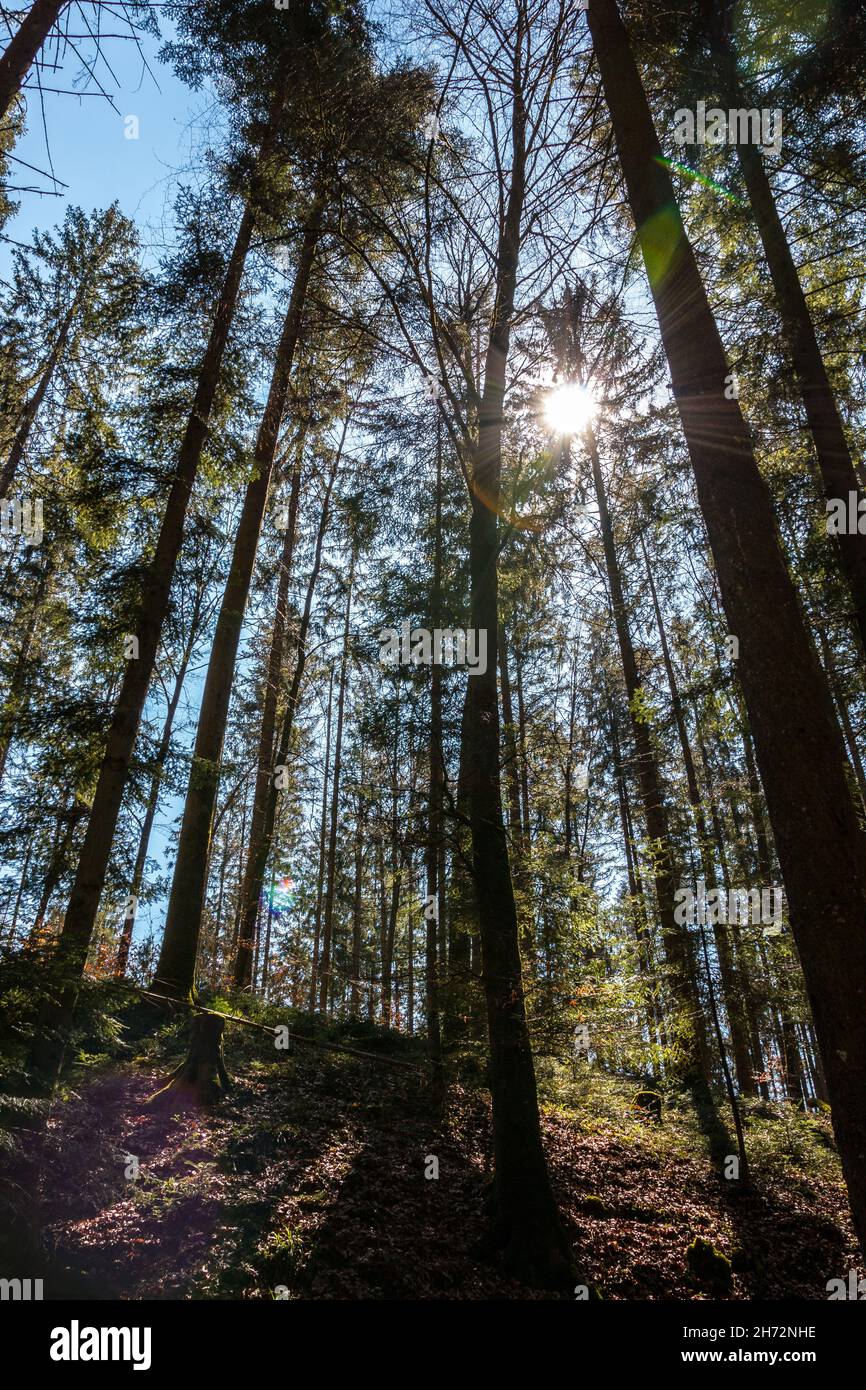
(95, 853)
(22, 884)
(512, 781)
(12, 704)
(33, 404)
(23, 47)
(358, 899)
(800, 752)
(635, 885)
(462, 906)
(435, 760)
(176, 966)
(830, 666)
(410, 973)
(385, 977)
(236, 925)
(260, 846)
(328, 923)
(273, 682)
(521, 743)
(517, 833)
(825, 424)
(793, 1074)
(153, 803)
(266, 954)
(687, 1012)
(747, 989)
(730, 989)
(323, 832)
(390, 923)
(527, 1221)
(51, 876)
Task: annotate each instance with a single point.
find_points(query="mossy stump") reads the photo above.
(648, 1104)
(709, 1267)
(202, 1074)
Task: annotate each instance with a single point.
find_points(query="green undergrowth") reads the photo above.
(782, 1141)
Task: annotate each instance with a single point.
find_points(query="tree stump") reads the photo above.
(202, 1074)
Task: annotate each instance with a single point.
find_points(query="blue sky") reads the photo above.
(87, 147)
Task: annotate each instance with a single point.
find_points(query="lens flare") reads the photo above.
(569, 409)
(281, 897)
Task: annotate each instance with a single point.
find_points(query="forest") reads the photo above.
(433, 651)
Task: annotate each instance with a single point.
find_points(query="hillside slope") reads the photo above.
(309, 1182)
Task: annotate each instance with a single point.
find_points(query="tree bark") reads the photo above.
(11, 707)
(202, 1076)
(273, 682)
(730, 985)
(328, 923)
(323, 831)
(436, 766)
(96, 850)
(260, 841)
(527, 1221)
(32, 405)
(687, 1011)
(799, 747)
(825, 424)
(390, 915)
(23, 47)
(358, 899)
(176, 967)
(462, 906)
(153, 796)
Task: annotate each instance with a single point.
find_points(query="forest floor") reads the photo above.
(308, 1181)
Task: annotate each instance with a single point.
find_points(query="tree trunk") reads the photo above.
(95, 853)
(462, 906)
(153, 800)
(436, 766)
(23, 47)
(328, 924)
(260, 843)
(176, 966)
(825, 424)
(33, 404)
(389, 923)
(687, 1010)
(635, 884)
(202, 1076)
(273, 682)
(527, 1222)
(747, 989)
(323, 824)
(12, 705)
(358, 899)
(730, 990)
(799, 747)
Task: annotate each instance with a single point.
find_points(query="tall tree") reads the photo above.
(815, 822)
(176, 966)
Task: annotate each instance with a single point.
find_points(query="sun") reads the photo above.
(569, 408)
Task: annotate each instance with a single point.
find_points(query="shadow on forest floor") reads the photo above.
(310, 1181)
